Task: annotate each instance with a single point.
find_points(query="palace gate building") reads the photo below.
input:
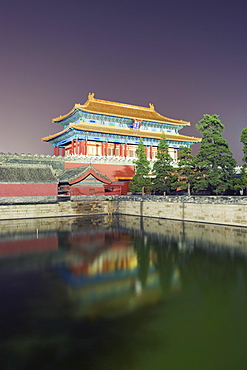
(106, 134)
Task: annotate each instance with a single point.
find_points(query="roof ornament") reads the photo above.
(90, 96)
(151, 106)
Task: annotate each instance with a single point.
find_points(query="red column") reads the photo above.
(76, 146)
(151, 152)
(97, 149)
(85, 146)
(72, 147)
(146, 150)
(121, 150)
(56, 151)
(106, 149)
(63, 152)
(82, 147)
(175, 154)
(125, 150)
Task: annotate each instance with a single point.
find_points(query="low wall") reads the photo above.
(28, 199)
(216, 210)
(62, 209)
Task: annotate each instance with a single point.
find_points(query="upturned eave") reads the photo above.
(104, 129)
(122, 110)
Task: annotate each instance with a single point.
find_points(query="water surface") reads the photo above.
(122, 293)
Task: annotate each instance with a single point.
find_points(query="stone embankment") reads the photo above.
(61, 209)
(223, 210)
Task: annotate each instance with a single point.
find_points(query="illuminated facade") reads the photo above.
(101, 128)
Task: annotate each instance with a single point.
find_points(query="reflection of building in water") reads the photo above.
(29, 243)
(101, 253)
(29, 250)
(33, 235)
(176, 279)
(96, 254)
(102, 275)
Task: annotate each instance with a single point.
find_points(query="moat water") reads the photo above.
(122, 293)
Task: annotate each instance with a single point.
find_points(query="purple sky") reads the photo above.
(188, 58)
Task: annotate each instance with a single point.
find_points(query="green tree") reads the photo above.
(241, 182)
(186, 170)
(163, 169)
(214, 162)
(243, 139)
(141, 179)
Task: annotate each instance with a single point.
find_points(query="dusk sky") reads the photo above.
(188, 58)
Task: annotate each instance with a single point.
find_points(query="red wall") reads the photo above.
(110, 170)
(84, 190)
(28, 190)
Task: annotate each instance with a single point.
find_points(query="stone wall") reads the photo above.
(62, 209)
(216, 210)
(27, 199)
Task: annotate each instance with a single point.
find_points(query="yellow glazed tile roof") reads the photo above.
(105, 107)
(122, 131)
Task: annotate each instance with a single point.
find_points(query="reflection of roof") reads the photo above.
(111, 294)
(105, 107)
(72, 175)
(122, 131)
(31, 174)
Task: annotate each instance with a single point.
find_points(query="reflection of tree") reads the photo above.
(63, 239)
(212, 272)
(142, 248)
(166, 252)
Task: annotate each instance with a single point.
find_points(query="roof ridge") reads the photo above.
(26, 165)
(83, 169)
(144, 113)
(91, 98)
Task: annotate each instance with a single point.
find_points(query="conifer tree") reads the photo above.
(186, 170)
(163, 169)
(243, 139)
(141, 179)
(241, 182)
(214, 162)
